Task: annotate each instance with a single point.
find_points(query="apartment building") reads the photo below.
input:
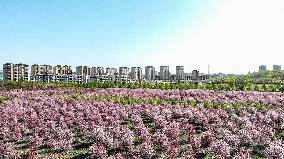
(262, 68)
(136, 73)
(41, 73)
(15, 72)
(62, 70)
(83, 74)
(1, 75)
(111, 71)
(276, 67)
(150, 73)
(164, 73)
(123, 73)
(180, 73)
(111, 74)
(97, 71)
(195, 75)
(63, 74)
(67, 70)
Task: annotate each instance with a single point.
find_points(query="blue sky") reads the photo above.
(130, 33)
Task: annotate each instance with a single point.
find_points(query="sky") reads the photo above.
(231, 36)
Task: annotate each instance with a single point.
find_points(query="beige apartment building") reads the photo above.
(164, 73)
(136, 73)
(111, 71)
(80, 70)
(62, 70)
(41, 73)
(150, 73)
(123, 73)
(97, 71)
(83, 74)
(63, 74)
(15, 72)
(180, 73)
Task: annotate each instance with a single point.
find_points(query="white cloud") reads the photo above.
(233, 36)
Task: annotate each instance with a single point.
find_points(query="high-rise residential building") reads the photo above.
(180, 73)
(66, 70)
(262, 68)
(111, 74)
(62, 70)
(15, 72)
(1, 75)
(97, 71)
(150, 73)
(41, 73)
(111, 71)
(276, 67)
(79, 70)
(164, 73)
(63, 74)
(195, 75)
(86, 70)
(83, 74)
(136, 73)
(57, 70)
(8, 70)
(34, 71)
(123, 73)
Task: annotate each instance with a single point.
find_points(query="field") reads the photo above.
(68, 122)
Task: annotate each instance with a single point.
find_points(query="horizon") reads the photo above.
(143, 68)
(229, 36)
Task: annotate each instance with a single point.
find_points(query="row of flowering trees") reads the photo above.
(243, 97)
(215, 84)
(59, 126)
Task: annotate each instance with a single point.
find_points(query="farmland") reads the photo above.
(48, 121)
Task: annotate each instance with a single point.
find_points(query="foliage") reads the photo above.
(225, 84)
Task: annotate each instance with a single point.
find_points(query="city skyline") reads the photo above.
(65, 73)
(229, 36)
(177, 68)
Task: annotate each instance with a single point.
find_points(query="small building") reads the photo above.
(262, 68)
(276, 67)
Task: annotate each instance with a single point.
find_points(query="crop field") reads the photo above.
(116, 123)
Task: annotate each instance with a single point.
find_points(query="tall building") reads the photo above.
(97, 71)
(62, 70)
(57, 70)
(1, 75)
(8, 72)
(41, 73)
(63, 74)
(164, 73)
(15, 72)
(262, 68)
(150, 73)
(123, 73)
(66, 70)
(276, 67)
(180, 73)
(111, 71)
(136, 73)
(79, 70)
(195, 75)
(83, 74)
(111, 74)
